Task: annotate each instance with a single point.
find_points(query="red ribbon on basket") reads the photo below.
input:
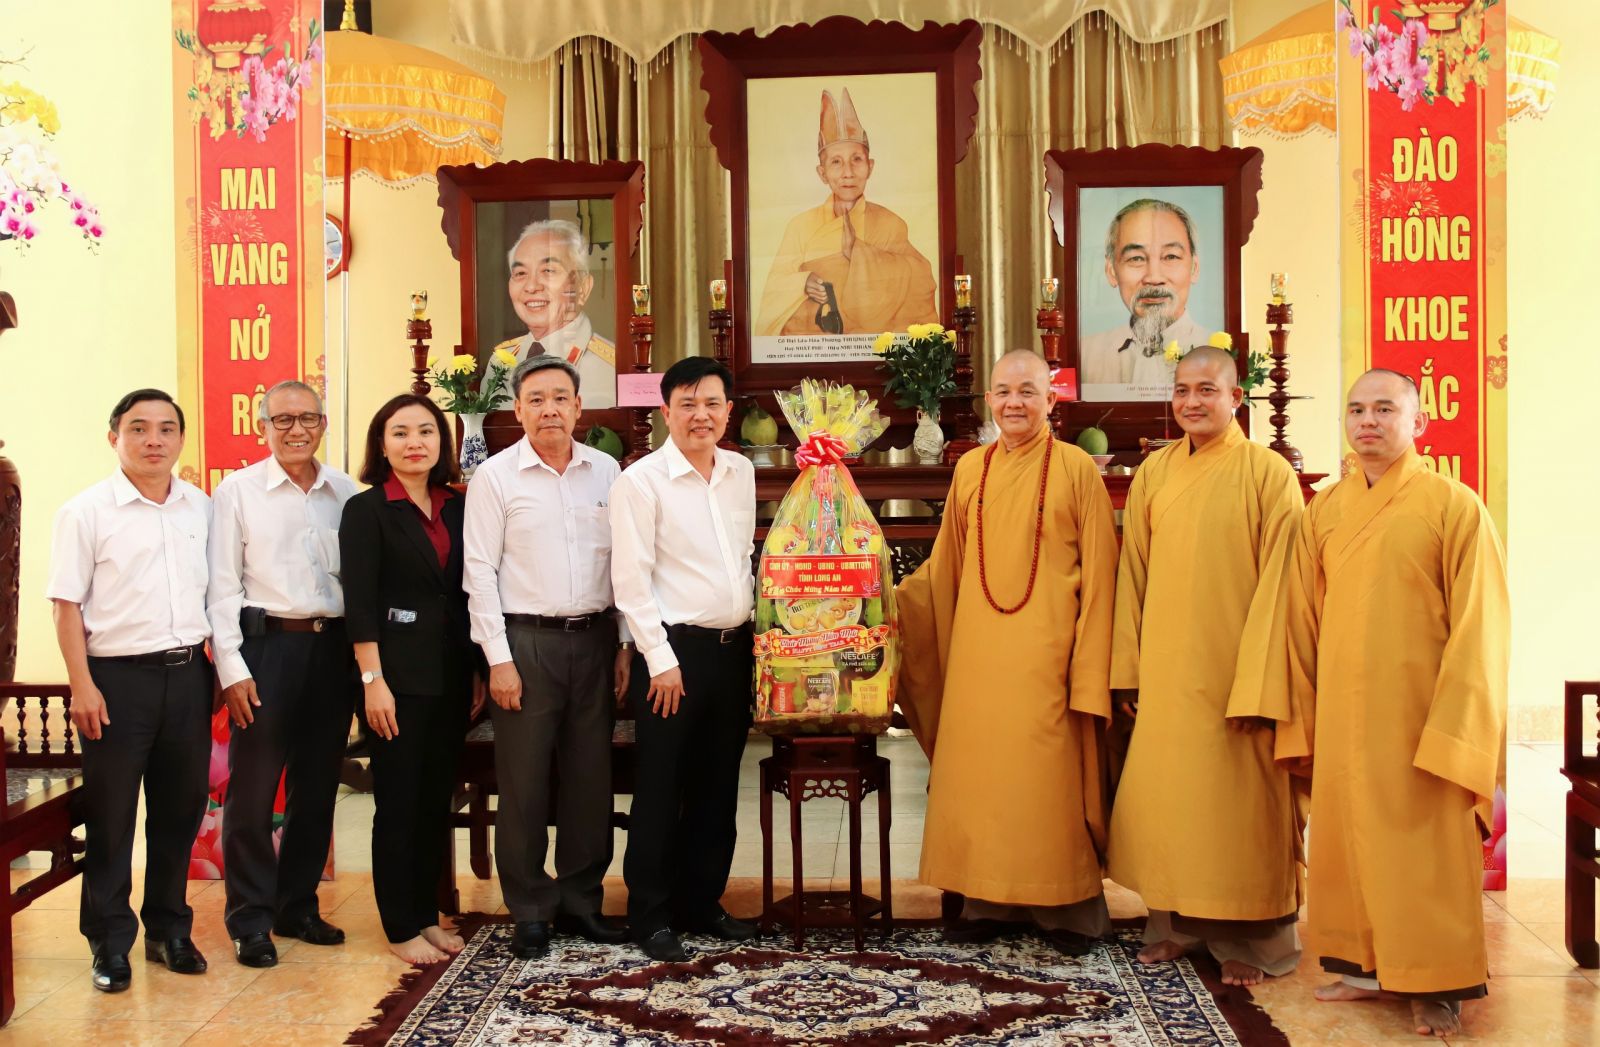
(820, 449)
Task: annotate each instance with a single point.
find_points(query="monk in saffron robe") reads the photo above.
(1007, 634)
(858, 251)
(1199, 644)
(1398, 638)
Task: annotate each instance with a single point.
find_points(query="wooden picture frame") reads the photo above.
(1084, 186)
(617, 183)
(838, 47)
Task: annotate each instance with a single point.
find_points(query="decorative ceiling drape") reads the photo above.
(1096, 86)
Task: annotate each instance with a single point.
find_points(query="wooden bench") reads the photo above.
(43, 774)
(1581, 765)
(476, 783)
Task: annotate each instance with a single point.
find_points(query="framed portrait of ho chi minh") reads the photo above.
(548, 250)
(841, 141)
(1151, 240)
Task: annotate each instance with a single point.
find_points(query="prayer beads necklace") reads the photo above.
(1038, 532)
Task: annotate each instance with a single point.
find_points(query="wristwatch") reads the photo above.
(368, 675)
(625, 645)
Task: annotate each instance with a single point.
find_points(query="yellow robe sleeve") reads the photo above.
(925, 602)
(1261, 672)
(890, 284)
(1089, 676)
(1304, 588)
(1464, 735)
(1133, 575)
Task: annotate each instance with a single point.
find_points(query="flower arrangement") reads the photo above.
(1256, 366)
(30, 173)
(454, 377)
(920, 365)
(255, 97)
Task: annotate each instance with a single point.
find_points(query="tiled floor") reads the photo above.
(317, 995)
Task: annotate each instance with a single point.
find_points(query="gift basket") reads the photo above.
(826, 634)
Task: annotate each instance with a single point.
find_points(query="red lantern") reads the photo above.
(231, 28)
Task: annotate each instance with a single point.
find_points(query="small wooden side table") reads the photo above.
(804, 768)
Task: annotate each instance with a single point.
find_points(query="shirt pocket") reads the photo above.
(743, 529)
(189, 545)
(327, 550)
(594, 545)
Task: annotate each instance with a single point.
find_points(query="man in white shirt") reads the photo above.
(537, 570)
(683, 530)
(549, 285)
(286, 670)
(128, 580)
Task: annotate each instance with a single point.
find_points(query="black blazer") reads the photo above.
(396, 595)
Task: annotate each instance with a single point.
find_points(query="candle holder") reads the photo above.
(1051, 324)
(420, 332)
(1280, 315)
(720, 321)
(963, 421)
(642, 330)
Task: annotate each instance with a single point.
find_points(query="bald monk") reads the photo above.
(1004, 679)
(1205, 826)
(1398, 637)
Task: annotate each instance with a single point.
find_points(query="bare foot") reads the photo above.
(1160, 952)
(1436, 1019)
(443, 940)
(418, 951)
(1236, 973)
(1339, 992)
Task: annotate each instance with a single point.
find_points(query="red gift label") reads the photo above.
(788, 577)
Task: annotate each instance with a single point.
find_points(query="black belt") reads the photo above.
(301, 625)
(576, 623)
(172, 659)
(700, 632)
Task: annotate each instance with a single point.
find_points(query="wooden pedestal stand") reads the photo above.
(1280, 316)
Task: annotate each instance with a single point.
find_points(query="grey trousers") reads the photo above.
(564, 725)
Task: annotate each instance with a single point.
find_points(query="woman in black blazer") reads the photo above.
(406, 613)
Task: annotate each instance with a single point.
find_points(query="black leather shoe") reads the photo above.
(593, 926)
(179, 955)
(665, 947)
(111, 972)
(256, 950)
(1070, 943)
(727, 928)
(313, 930)
(530, 940)
(981, 932)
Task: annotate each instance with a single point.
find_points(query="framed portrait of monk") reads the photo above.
(1150, 241)
(841, 140)
(548, 255)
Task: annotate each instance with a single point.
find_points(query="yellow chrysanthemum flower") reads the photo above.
(505, 358)
(433, 361)
(1173, 352)
(1221, 340)
(463, 364)
(881, 344)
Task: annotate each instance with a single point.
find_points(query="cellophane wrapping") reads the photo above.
(827, 637)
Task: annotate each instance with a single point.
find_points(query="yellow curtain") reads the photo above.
(1096, 87)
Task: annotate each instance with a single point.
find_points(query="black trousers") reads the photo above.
(160, 736)
(565, 720)
(413, 776)
(307, 688)
(683, 825)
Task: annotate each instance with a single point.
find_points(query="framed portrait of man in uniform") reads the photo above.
(548, 254)
(841, 140)
(1150, 241)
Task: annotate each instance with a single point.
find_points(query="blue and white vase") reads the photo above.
(474, 448)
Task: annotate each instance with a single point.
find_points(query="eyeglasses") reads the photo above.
(307, 421)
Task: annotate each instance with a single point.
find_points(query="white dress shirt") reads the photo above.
(272, 546)
(680, 547)
(535, 541)
(136, 568)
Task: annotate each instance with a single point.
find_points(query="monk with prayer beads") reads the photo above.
(1007, 633)
(1398, 635)
(1198, 657)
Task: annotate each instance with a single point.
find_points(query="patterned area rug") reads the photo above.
(914, 989)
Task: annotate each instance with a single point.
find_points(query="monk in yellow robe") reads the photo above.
(1205, 825)
(1007, 634)
(1398, 638)
(846, 260)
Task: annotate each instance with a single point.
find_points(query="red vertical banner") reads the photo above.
(1422, 149)
(247, 90)
(247, 117)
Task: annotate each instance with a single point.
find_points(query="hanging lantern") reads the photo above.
(231, 28)
(1441, 14)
